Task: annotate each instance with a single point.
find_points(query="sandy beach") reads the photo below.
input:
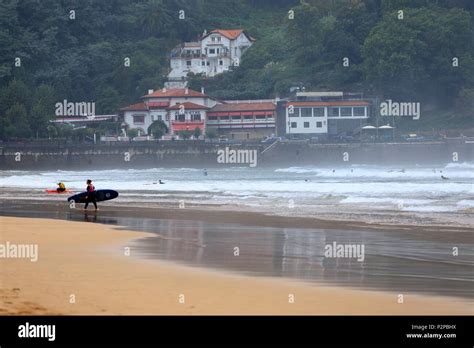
(87, 264)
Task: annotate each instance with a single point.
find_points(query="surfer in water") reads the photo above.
(90, 195)
(61, 187)
(444, 177)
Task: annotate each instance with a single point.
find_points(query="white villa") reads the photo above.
(179, 108)
(214, 53)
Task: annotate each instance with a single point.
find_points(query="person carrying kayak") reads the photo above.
(61, 187)
(90, 195)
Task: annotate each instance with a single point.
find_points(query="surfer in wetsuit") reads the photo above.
(61, 187)
(90, 195)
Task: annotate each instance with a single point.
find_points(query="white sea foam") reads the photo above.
(417, 188)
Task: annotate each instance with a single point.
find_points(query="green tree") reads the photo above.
(108, 101)
(65, 131)
(197, 132)
(465, 102)
(18, 125)
(15, 93)
(132, 133)
(185, 134)
(211, 133)
(52, 132)
(43, 110)
(158, 129)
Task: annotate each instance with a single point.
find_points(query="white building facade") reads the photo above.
(179, 108)
(329, 117)
(214, 53)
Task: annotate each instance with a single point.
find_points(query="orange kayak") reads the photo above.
(55, 191)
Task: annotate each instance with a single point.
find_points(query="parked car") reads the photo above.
(269, 140)
(412, 137)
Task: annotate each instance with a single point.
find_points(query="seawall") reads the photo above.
(204, 155)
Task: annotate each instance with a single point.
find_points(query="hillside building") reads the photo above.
(214, 53)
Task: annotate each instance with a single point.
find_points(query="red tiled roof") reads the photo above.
(188, 106)
(330, 103)
(135, 107)
(244, 107)
(158, 105)
(231, 34)
(175, 92)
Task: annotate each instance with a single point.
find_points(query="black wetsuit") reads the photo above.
(90, 196)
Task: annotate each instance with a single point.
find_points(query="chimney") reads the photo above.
(186, 91)
(202, 90)
(164, 90)
(150, 91)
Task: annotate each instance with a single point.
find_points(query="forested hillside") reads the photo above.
(47, 56)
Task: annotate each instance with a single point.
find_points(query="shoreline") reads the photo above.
(90, 263)
(330, 209)
(228, 214)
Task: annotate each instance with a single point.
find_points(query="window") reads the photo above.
(212, 118)
(195, 115)
(359, 111)
(346, 111)
(236, 118)
(212, 51)
(213, 38)
(207, 63)
(221, 62)
(225, 117)
(218, 51)
(306, 124)
(318, 112)
(306, 112)
(219, 38)
(260, 117)
(179, 116)
(293, 125)
(138, 119)
(203, 63)
(296, 112)
(248, 117)
(333, 112)
(319, 125)
(159, 118)
(188, 63)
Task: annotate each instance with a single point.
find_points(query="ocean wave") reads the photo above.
(462, 166)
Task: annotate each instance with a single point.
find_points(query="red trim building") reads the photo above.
(179, 108)
(243, 120)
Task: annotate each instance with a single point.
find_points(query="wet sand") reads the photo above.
(89, 262)
(403, 258)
